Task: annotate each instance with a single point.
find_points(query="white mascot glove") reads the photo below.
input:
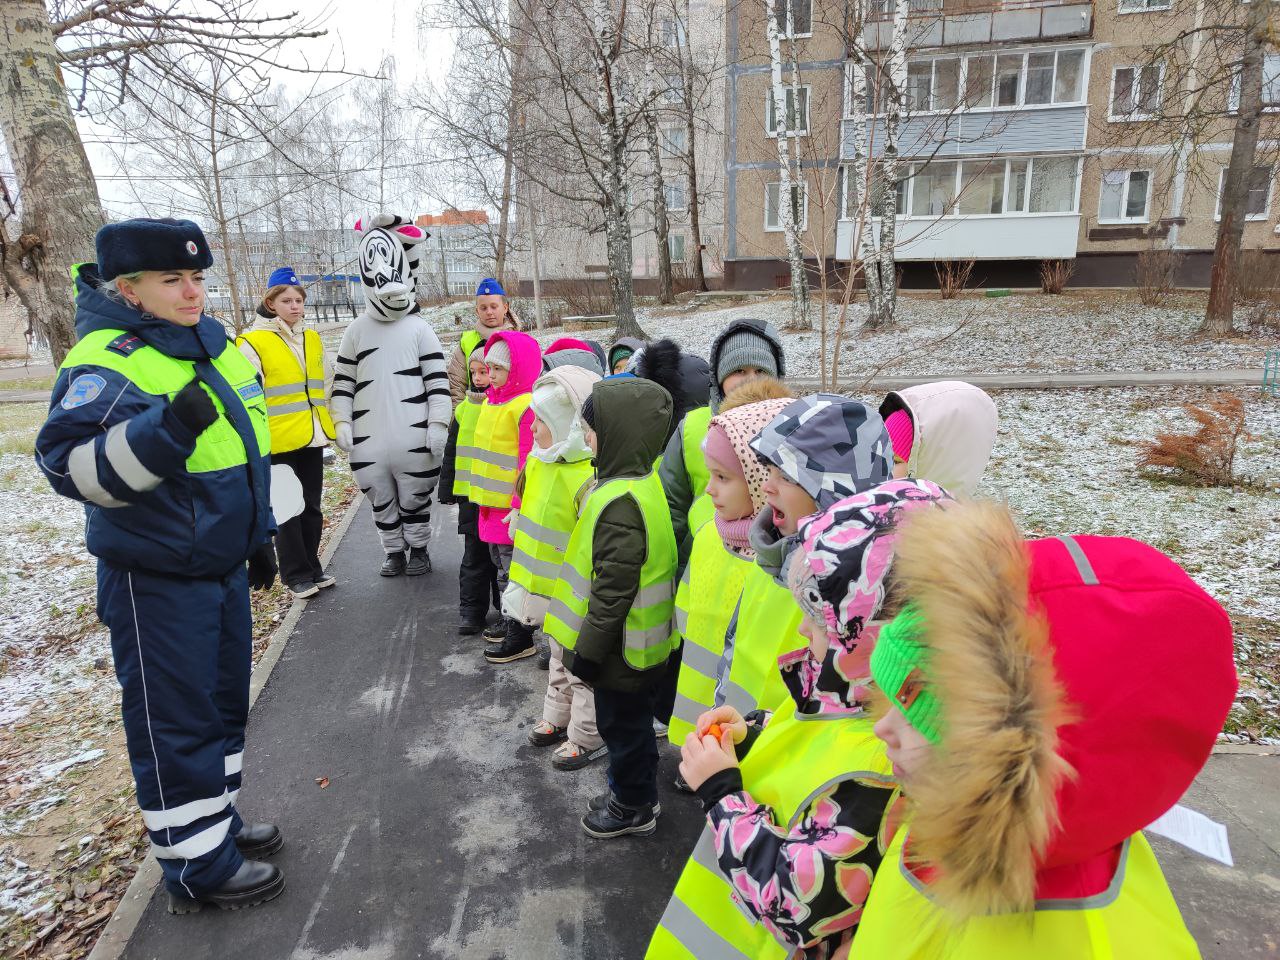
(437, 437)
(343, 440)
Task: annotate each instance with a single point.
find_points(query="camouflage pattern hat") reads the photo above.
(829, 445)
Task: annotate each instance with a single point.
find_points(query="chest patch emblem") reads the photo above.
(250, 391)
(86, 388)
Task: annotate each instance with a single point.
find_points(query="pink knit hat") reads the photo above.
(902, 433)
(719, 448)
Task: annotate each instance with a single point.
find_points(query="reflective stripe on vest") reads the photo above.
(295, 399)
(495, 453)
(548, 514)
(696, 422)
(1136, 916)
(219, 447)
(799, 758)
(708, 594)
(649, 635)
(467, 413)
(768, 627)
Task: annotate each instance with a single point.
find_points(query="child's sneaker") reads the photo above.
(511, 648)
(546, 733)
(618, 820)
(570, 756)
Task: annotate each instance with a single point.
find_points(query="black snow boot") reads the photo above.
(256, 840)
(254, 883)
(496, 632)
(470, 626)
(393, 566)
(419, 562)
(602, 801)
(617, 820)
(517, 645)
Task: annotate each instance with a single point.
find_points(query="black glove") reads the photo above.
(262, 567)
(445, 497)
(193, 408)
(588, 671)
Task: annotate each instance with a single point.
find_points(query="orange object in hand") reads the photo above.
(714, 731)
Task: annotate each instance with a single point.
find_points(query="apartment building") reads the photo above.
(1027, 134)
(461, 252)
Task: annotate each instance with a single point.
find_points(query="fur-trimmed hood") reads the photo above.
(683, 375)
(955, 430)
(1082, 682)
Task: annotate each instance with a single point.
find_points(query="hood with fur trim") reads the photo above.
(763, 329)
(683, 375)
(526, 364)
(955, 430)
(557, 402)
(1082, 682)
(839, 574)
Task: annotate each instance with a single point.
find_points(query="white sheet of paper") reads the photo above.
(1196, 832)
(286, 492)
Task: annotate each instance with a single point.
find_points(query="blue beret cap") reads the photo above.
(283, 276)
(490, 287)
(145, 244)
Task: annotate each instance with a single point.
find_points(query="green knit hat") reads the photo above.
(899, 665)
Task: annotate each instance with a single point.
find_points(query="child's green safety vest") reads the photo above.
(548, 513)
(649, 635)
(768, 627)
(495, 452)
(467, 413)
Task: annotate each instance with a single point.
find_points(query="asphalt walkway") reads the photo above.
(440, 833)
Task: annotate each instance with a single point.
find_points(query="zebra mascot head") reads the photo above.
(390, 256)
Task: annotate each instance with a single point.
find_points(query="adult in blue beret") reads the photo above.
(158, 425)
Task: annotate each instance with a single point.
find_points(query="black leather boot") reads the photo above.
(419, 562)
(254, 883)
(256, 840)
(393, 566)
(602, 801)
(618, 820)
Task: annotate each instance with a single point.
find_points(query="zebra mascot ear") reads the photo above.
(390, 262)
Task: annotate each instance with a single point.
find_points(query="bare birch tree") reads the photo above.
(789, 197)
(661, 225)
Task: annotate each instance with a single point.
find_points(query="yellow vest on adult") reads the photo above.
(768, 627)
(467, 413)
(1136, 917)
(705, 602)
(649, 635)
(796, 758)
(547, 517)
(696, 424)
(495, 452)
(295, 397)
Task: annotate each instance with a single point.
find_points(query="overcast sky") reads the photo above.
(360, 33)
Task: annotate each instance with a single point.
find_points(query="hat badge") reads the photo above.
(192, 248)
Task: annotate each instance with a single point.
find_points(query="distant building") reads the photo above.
(460, 253)
(13, 329)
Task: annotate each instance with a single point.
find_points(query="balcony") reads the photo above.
(944, 23)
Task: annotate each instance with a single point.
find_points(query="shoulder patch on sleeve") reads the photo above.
(125, 344)
(84, 389)
(250, 391)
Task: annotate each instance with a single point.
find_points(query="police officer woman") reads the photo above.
(158, 425)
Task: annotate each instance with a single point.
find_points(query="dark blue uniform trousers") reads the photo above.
(182, 650)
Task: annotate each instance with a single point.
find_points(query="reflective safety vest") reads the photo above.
(469, 341)
(548, 514)
(796, 758)
(705, 601)
(649, 634)
(696, 422)
(495, 452)
(1136, 916)
(295, 398)
(467, 413)
(768, 627)
(219, 447)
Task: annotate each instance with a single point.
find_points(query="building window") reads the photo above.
(1142, 6)
(671, 140)
(933, 84)
(797, 120)
(1135, 91)
(674, 193)
(672, 89)
(852, 200)
(981, 187)
(772, 210)
(794, 17)
(933, 189)
(990, 187)
(1258, 206)
(675, 246)
(1270, 84)
(983, 81)
(671, 33)
(1125, 196)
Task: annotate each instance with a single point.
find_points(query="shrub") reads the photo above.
(1156, 273)
(1054, 275)
(1205, 456)
(953, 277)
(1256, 279)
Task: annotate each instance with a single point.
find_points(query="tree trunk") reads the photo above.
(883, 305)
(786, 202)
(504, 210)
(1224, 274)
(691, 160)
(444, 268)
(661, 226)
(60, 210)
(220, 216)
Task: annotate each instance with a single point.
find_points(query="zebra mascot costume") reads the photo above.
(390, 400)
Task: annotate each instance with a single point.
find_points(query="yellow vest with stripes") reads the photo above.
(796, 758)
(696, 423)
(467, 413)
(768, 627)
(295, 397)
(548, 514)
(705, 601)
(1135, 917)
(649, 635)
(495, 454)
